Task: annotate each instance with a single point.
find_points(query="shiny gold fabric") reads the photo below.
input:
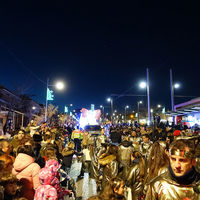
(124, 155)
(164, 188)
(110, 168)
(135, 142)
(131, 176)
(145, 148)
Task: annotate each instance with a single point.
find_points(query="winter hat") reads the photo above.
(176, 133)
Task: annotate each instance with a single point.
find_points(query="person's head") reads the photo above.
(139, 157)
(48, 132)
(133, 133)
(157, 159)
(118, 186)
(47, 138)
(182, 156)
(9, 182)
(26, 149)
(112, 149)
(146, 138)
(4, 146)
(50, 151)
(20, 134)
(113, 189)
(8, 162)
(71, 145)
(28, 140)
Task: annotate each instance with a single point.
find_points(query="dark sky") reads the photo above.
(99, 48)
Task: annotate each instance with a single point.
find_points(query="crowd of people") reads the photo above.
(133, 162)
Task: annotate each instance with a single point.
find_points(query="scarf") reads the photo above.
(188, 178)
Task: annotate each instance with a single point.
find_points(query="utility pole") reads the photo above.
(148, 98)
(172, 92)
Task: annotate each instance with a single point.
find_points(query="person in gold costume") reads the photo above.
(180, 181)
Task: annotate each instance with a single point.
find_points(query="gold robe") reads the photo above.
(164, 188)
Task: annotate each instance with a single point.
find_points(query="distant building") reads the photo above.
(15, 110)
(187, 113)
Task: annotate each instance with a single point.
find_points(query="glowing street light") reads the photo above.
(139, 102)
(126, 107)
(111, 106)
(159, 106)
(102, 107)
(176, 85)
(49, 95)
(60, 85)
(143, 84)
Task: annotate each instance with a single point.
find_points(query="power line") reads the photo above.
(23, 65)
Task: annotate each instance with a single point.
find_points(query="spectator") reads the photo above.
(26, 170)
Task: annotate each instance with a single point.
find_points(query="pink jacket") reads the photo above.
(26, 170)
(46, 191)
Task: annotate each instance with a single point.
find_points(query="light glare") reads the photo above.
(60, 85)
(177, 85)
(143, 85)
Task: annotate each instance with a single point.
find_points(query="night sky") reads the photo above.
(99, 49)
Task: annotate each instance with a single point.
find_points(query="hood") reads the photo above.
(46, 176)
(53, 165)
(22, 161)
(126, 143)
(106, 160)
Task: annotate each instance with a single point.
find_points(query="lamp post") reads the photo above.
(126, 107)
(49, 96)
(144, 85)
(111, 106)
(102, 107)
(172, 87)
(138, 104)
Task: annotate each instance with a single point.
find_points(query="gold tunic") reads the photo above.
(164, 188)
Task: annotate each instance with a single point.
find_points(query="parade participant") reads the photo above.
(67, 154)
(114, 190)
(109, 163)
(145, 146)
(181, 181)
(125, 150)
(134, 176)
(158, 160)
(135, 140)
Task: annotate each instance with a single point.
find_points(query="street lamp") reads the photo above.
(102, 110)
(172, 87)
(126, 107)
(59, 85)
(176, 85)
(138, 104)
(159, 106)
(144, 85)
(111, 106)
(49, 95)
